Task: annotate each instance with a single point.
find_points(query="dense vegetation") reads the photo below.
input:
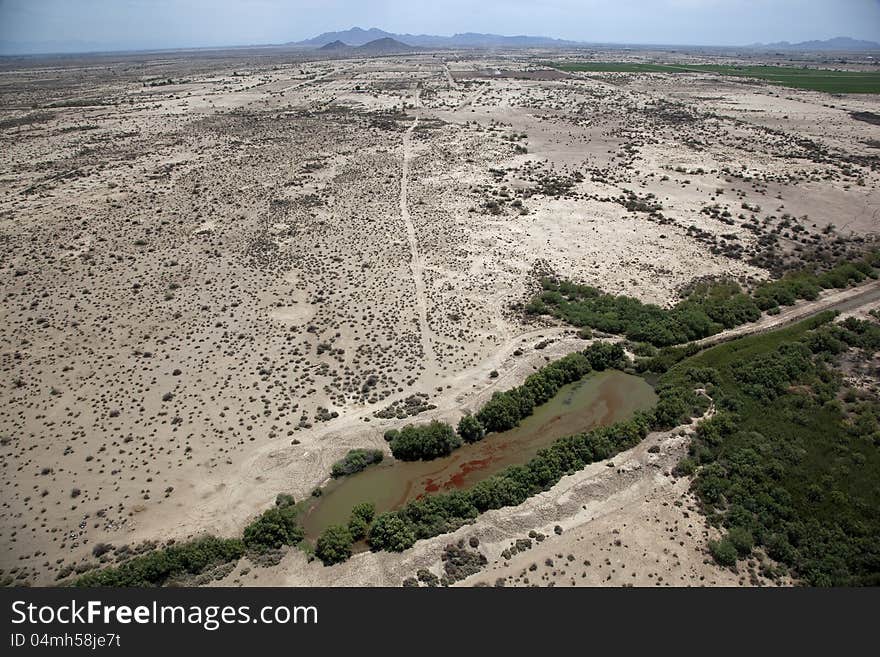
(788, 464)
(355, 461)
(423, 441)
(828, 80)
(785, 465)
(707, 309)
(157, 567)
(506, 409)
(272, 529)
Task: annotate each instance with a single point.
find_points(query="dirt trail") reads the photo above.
(416, 264)
(470, 99)
(452, 83)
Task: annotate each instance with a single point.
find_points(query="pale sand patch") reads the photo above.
(299, 314)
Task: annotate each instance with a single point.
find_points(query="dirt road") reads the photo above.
(416, 263)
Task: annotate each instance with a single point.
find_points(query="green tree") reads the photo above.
(361, 517)
(470, 429)
(272, 529)
(425, 442)
(391, 533)
(334, 545)
(358, 528)
(365, 511)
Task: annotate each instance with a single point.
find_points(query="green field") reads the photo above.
(830, 81)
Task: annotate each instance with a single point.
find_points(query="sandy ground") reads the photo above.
(216, 271)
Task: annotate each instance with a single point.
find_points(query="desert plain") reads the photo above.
(222, 270)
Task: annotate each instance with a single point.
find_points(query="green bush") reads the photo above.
(272, 529)
(723, 552)
(157, 567)
(334, 545)
(355, 461)
(390, 533)
(361, 517)
(365, 510)
(742, 540)
(471, 429)
(284, 499)
(424, 442)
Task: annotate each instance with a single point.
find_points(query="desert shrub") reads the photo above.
(100, 549)
(459, 562)
(723, 552)
(284, 499)
(355, 461)
(427, 577)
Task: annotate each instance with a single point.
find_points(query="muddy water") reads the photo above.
(598, 399)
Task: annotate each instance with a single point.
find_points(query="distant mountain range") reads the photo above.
(376, 41)
(382, 46)
(357, 36)
(840, 44)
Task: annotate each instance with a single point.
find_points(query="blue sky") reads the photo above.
(114, 24)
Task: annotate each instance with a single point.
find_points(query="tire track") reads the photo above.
(416, 264)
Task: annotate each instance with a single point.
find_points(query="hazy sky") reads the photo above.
(116, 24)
